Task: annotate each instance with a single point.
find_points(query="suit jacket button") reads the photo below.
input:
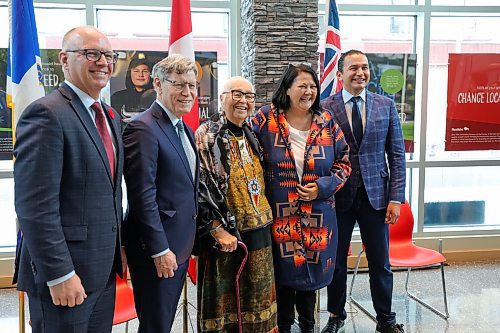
(194, 216)
(114, 228)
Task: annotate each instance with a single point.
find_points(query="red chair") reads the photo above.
(403, 253)
(124, 302)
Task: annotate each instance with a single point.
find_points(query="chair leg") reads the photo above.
(355, 273)
(126, 327)
(445, 315)
(351, 298)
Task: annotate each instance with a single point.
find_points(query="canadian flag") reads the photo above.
(181, 42)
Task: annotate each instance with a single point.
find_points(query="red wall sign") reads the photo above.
(473, 115)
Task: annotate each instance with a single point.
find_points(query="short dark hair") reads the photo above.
(280, 99)
(345, 54)
(133, 64)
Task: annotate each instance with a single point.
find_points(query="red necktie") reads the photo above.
(102, 129)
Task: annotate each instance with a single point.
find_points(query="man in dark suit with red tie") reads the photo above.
(68, 171)
(374, 192)
(161, 171)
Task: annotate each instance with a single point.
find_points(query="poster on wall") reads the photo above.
(473, 113)
(130, 86)
(394, 76)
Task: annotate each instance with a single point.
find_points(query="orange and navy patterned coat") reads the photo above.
(304, 232)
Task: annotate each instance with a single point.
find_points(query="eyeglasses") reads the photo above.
(179, 86)
(298, 63)
(237, 95)
(94, 55)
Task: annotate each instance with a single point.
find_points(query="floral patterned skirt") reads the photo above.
(217, 310)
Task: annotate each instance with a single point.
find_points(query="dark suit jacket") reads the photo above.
(162, 193)
(68, 207)
(380, 162)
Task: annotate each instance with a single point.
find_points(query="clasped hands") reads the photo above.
(308, 192)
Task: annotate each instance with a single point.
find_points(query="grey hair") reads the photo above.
(174, 63)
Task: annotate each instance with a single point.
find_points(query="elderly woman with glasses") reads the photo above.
(305, 162)
(233, 207)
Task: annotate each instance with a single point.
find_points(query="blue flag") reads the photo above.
(24, 69)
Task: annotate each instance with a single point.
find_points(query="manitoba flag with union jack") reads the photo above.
(329, 83)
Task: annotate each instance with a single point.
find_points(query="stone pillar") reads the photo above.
(273, 34)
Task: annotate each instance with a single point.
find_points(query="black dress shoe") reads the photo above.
(393, 328)
(334, 325)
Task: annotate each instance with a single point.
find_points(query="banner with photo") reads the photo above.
(473, 114)
(394, 76)
(131, 84)
(129, 90)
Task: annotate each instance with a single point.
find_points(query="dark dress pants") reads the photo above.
(156, 298)
(375, 237)
(94, 315)
(287, 300)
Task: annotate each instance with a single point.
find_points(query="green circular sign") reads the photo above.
(392, 81)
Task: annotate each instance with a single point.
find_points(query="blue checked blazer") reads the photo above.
(380, 162)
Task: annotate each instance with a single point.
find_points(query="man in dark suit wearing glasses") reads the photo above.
(68, 171)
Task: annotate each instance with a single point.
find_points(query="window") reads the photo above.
(462, 197)
(52, 23)
(454, 35)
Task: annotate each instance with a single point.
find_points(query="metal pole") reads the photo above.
(20, 295)
(185, 308)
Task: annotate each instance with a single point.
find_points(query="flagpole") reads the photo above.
(23, 87)
(22, 328)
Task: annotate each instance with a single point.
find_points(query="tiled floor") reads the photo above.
(473, 296)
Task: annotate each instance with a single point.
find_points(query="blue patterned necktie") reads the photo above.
(357, 122)
(188, 150)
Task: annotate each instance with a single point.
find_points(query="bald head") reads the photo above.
(73, 38)
(237, 99)
(80, 48)
(236, 80)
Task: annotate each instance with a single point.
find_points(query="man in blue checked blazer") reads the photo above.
(374, 192)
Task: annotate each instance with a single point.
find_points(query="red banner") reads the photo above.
(473, 115)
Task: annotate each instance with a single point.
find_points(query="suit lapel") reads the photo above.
(168, 128)
(83, 114)
(341, 117)
(369, 127)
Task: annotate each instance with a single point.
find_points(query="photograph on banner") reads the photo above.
(394, 76)
(131, 86)
(473, 113)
